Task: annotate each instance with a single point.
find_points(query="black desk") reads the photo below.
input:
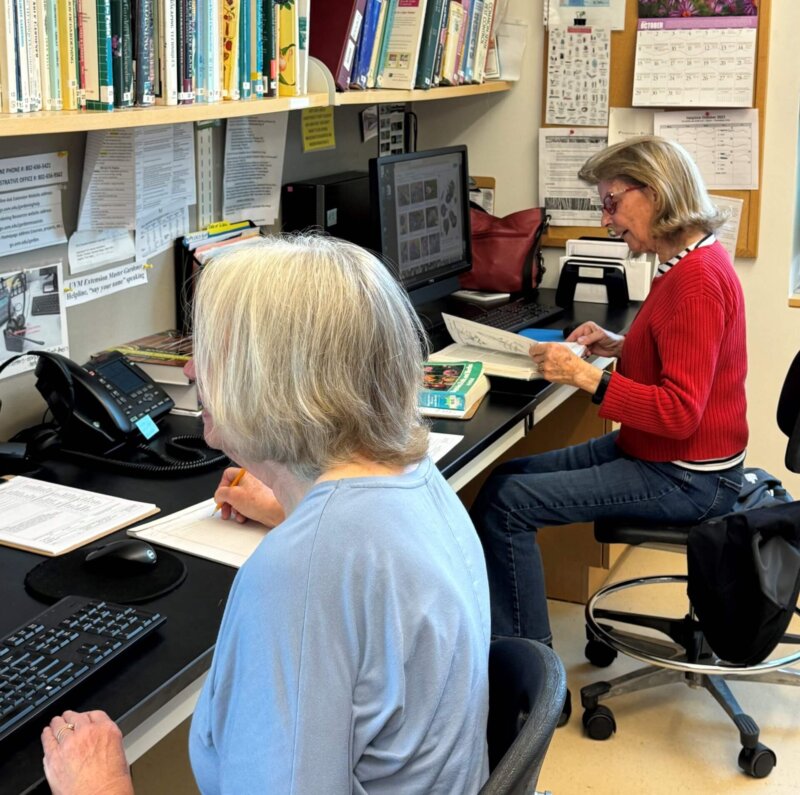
(147, 678)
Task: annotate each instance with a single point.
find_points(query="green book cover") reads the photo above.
(391, 8)
(96, 54)
(451, 386)
(431, 30)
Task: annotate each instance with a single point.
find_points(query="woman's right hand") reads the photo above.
(250, 499)
(597, 340)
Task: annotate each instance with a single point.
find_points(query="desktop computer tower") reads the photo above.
(337, 204)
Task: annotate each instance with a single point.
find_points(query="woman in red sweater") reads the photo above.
(678, 391)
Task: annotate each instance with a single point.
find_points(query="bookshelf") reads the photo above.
(322, 93)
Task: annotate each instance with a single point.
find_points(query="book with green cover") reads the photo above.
(431, 31)
(122, 53)
(386, 35)
(95, 54)
(451, 389)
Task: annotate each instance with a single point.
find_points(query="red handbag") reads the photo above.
(506, 252)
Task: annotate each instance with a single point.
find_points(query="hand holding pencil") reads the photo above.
(242, 498)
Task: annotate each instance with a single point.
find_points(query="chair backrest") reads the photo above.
(527, 688)
(789, 414)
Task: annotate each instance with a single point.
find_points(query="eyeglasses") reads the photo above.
(610, 200)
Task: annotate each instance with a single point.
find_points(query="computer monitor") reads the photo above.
(421, 206)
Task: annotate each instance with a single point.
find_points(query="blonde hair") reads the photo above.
(308, 353)
(682, 202)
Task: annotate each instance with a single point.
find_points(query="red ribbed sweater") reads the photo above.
(678, 391)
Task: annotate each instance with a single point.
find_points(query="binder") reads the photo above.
(337, 27)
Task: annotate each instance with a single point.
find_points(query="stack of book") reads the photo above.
(403, 44)
(107, 54)
(163, 356)
(452, 390)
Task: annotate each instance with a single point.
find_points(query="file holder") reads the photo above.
(592, 280)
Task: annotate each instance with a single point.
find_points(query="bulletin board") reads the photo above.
(623, 56)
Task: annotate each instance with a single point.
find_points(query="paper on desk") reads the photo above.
(51, 519)
(196, 531)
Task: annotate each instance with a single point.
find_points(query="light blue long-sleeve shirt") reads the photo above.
(353, 652)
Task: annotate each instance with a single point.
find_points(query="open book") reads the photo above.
(502, 353)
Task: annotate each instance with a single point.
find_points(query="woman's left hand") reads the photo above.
(559, 365)
(84, 755)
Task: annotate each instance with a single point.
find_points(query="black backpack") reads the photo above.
(744, 579)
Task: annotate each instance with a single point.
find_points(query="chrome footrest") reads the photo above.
(624, 641)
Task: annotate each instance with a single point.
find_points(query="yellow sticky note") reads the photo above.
(318, 132)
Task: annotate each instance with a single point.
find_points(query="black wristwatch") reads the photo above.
(600, 392)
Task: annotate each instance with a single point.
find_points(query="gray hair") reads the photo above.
(308, 353)
(682, 202)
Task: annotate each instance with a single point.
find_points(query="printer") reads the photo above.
(601, 270)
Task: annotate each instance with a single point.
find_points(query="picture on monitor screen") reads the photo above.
(422, 202)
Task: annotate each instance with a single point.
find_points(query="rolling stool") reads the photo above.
(687, 657)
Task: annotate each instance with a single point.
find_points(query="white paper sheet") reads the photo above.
(577, 75)
(23, 331)
(728, 233)
(33, 171)
(160, 233)
(701, 62)
(254, 151)
(723, 143)
(199, 531)
(89, 250)
(608, 13)
(30, 219)
(87, 288)
(562, 152)
(625, 123)
(108, 185)
(53, 519)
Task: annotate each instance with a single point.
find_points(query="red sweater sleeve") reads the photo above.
(673, 403)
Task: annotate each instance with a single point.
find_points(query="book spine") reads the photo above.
(257, 47)
(33, 51)
(215, 51)
(288, 31)
(471, 44)
(230, 48)
(8, 58)
(451, 401)
(402, 53)
(96, 44)
(269, 49)
(169, 52)
(303, 32)
(68, 53)
(245, 86)
(375, 46)
(437, 64)
(145, 61)
(186, 78)
(51, 63)
(361, 59)
(462, 40)
(483, 41)
(430, 38)
(121, 54)
(386, 35)
(455, 33)
(201, 52)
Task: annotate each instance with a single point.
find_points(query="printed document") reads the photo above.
(51, 519)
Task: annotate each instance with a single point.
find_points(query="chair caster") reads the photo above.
(599, 654)
(599, 722)
(757, 762)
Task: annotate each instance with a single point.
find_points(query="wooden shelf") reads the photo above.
(64, 121)
(389, 95)
(67, 121)
(795, 301)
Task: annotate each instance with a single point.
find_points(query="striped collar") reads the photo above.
(663, 267)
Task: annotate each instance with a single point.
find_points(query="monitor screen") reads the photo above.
(422, 203)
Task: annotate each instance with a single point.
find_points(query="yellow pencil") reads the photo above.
(235, 482)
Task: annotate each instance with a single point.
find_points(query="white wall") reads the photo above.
(501, 131)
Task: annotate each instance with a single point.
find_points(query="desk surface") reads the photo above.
(132, 688)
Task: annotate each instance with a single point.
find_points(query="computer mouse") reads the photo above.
(127, 554)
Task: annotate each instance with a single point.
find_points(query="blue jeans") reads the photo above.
(577, 484)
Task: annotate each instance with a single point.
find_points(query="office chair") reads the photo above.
(527, 688)
(688, 657)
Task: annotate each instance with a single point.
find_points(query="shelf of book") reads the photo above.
(64, 121)
(388, 95)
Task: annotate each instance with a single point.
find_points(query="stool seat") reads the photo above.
(634, 532)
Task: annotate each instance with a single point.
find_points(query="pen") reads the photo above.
(235, 482)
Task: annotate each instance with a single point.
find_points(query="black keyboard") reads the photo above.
(519, 314)
(59, 649)
(46, 304)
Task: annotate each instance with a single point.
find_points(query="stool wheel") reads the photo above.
(757, 762)
(599, 722)
(599, 654)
